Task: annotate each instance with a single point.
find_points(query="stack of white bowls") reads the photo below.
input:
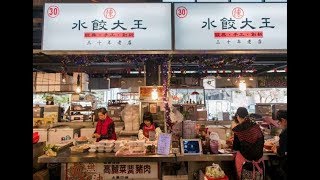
(101, 148)
(109, 147)
(93, 148)
(105, 145)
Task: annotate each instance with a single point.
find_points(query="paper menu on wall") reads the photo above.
(164, 143)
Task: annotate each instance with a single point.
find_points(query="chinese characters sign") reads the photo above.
(230, 26)
(115, 170)
(164, 143)
(179, 1)
(127, 26)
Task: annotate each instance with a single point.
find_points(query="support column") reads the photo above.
(153, 72)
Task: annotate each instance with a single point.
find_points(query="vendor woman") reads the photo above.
(148, 126)
(105, 127)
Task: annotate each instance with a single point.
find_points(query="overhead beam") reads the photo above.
(264, 70)
(98, 52)
(122, 64)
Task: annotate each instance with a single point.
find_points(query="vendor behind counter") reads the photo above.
(148, 130)
(105, 128)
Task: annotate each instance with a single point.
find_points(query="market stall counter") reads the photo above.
(226, 161)
(137, 167)
(87, 157)
(214, 157)
(108, 165)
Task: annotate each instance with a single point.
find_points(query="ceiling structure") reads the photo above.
(131, 63)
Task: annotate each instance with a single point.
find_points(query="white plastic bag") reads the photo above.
(214, 136)
(214, 171)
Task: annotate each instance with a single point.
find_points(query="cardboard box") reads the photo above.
(53, 115)
(43, 121)
(45, 82)
(51, 108)
(38, 112)
(75, 97)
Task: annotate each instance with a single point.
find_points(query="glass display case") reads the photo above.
(129, 97)
(187, 95)
(221, 101)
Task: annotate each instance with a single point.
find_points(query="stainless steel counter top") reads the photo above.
(214, 157)
(68, 157)
(205, 157)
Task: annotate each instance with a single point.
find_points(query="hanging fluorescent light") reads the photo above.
(154, 94)
(242, 85)
(63, 77)
(78, 89)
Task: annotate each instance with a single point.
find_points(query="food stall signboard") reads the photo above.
(230, 26)
(107, 26)
(114, 170)
(175, 1)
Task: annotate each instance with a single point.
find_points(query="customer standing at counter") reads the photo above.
(281, 150)
(148, 126)
(234, 122)
(230, 139)
(105, 128)
(248, 142)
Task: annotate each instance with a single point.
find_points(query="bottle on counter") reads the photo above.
(214, 146)
(75, 136)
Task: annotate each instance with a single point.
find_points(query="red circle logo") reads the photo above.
(237, 13)
(53, 11)
(181, 12)
(110, 13)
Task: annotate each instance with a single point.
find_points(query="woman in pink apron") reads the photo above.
(148, 127)
(248, 142)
